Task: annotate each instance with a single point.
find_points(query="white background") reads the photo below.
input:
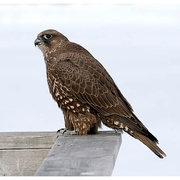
(139, 45)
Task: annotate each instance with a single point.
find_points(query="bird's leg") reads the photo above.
(65, 131)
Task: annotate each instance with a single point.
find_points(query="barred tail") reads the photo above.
(137, 130)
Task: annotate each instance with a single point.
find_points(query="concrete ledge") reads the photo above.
(92, 155)
(46, 154)
(21, 153)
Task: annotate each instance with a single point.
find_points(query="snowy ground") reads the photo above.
(139, 45)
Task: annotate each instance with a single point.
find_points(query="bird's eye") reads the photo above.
(47, 36)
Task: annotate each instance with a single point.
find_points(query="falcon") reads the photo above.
(86, 93)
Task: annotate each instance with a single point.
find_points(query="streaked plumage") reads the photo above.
(85, 91)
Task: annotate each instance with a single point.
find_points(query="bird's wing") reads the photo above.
(90, 83)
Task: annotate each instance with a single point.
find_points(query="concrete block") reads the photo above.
(92, 155)
(21, 153)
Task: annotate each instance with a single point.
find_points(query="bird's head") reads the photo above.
(48, 40)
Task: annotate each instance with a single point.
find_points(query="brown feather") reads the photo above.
(85, 91)
(150, 144)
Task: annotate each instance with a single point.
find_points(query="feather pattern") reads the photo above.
(85, 91)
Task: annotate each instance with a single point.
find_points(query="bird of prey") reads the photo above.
(86, 93)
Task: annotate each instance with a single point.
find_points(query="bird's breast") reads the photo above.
(57, 89)
(65, 100)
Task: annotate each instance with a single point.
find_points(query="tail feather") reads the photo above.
(134, 127)
(150, 144)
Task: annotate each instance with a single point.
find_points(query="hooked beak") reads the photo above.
(37, 42)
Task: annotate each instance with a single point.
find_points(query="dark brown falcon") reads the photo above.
(85, 91)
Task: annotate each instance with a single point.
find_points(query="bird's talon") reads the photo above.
(65, 131)
(61, 131)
